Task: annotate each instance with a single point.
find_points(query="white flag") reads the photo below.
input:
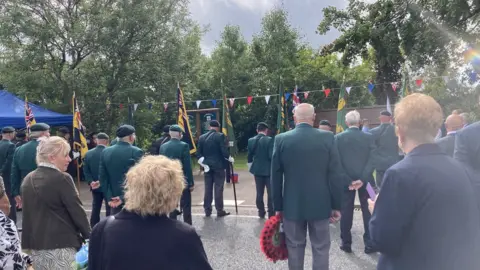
(135, 106)
(446, 79)
(267, 98)
(198, 103)
(389, 107)
(348, 89)
(232, 100)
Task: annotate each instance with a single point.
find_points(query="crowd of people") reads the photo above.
(426, 214)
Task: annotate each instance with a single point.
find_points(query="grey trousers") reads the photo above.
(214, 182)
(296, 240)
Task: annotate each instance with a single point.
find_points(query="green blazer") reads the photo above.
(305, 177)
(261, 159)
(355, 148)
(176, 149)
(115, 162)
(91, 165)
(386, 146)
(24, 162)
(212, 146)
(7, 149)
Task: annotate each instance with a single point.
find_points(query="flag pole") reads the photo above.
(76, 161)
(234, 190)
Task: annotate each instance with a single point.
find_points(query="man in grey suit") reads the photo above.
(467, 146)
(453, 123)
(386, 146)
(306, 187)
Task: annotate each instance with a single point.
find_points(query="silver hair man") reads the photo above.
(352, 118)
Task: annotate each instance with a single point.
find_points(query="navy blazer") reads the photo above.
(426, 216)
(467, 146)
(447, 144)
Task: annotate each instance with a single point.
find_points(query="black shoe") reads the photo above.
(222, 213)
(208, 214)
(261, 215)
(346, 249)
(369, 250)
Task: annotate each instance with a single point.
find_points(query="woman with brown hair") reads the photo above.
(54, 221)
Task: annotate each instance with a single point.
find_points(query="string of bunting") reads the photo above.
(370, 86)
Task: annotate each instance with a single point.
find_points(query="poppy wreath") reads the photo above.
(272, 240)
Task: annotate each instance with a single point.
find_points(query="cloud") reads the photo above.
(260, 6)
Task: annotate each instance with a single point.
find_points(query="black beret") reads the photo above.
(385, 113)
(214, 123)
(64, 130)
(166, 129)
(124, 131)
(262, 125)
(325, 123)
(21, 134)
(102, 136)
(176, 128)
(8, 130)
(39, 127)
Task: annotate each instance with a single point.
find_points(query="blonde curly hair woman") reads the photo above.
(142, 236)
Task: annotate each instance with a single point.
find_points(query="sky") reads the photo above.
(304, 15)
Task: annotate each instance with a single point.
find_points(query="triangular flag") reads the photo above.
(198, 103)
(232, 101)
(150, 106)
(418, 82)
(214, 102)
(389, 107)
(121, 106)
(165, 106)
(249, 99)
(305, 94)
(135, 106)
(394, 86)
(348, 89)
(445, 79)
(267, 98)
(327, 92)
(287, 95)
(370, 87)
(473, 77)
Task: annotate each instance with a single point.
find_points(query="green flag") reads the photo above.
(404, 91)
(227, 128)
(341, 126)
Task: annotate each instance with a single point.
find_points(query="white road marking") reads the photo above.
(227, 202)
(198, 215)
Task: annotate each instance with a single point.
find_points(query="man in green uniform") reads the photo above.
(20, 139)
(7, 149)
(386, 146)
(24, 159)
(259, 158)
(115, 163)
(306, 187)
(176, 149)
(91, 166)
(355, 149)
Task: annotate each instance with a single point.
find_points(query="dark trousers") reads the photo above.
(185, 207)
(97, 201)
(379, 178)
(228, 173)
(13, 203)
(262, 182)
(214, 182)
(347, 216)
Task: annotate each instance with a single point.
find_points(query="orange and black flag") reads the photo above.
(79, 139)
(183, 121)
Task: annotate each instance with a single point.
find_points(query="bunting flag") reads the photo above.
(165, 106)
(445, 79)
(120, 106)
(295, 99)
(287, 95)
(341, 126)
(418, 82)
(327, 92)
(232, 102)
(227, 128)
(267, 98)
(305, 94)
(198, 103)
(79, 138)
(394, 87)
(29, 117)
(150, 105)
(389, 107)
(281, 119)
(183, 121)
(214, 102)
(370, 87)
(249, 100)
(135, 106)
(348, 90)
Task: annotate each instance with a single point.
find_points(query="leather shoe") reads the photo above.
(346, 249)
(369, 250)
(222, 214)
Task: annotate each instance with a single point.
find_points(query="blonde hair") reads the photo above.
(51, 146)
(154, 186)
(419, 116)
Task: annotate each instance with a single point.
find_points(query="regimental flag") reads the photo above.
(227, 128)
(79, 139)
(281, 117)
(183, 122)
(404, 91)
(29, 117)
(341, 126)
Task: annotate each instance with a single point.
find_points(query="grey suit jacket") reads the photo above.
(467, 146)
(447, 144)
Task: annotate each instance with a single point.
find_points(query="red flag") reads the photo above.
(327, 92)
(165, 106)
(295, 99)
(305, 94)
(232, 100)
(121, 106)
(249, 99)
(394, 86)
(419, 82)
